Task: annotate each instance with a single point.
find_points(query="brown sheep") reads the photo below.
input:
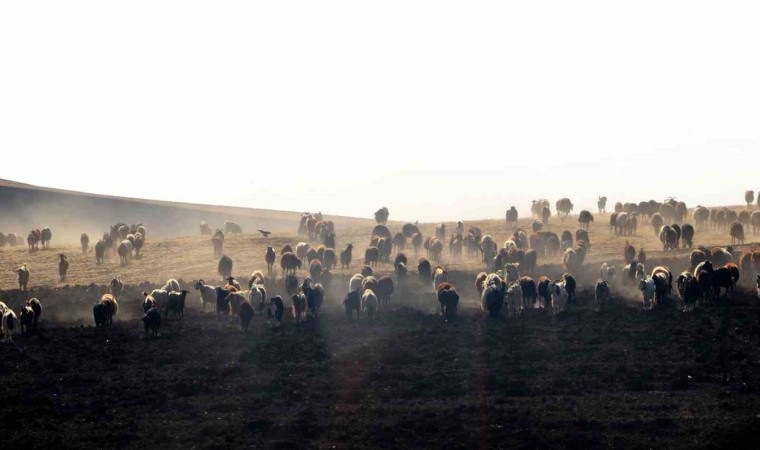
(381, 215)
(63, 266)
(384, 290)
(629, 252)
(289, 263)
(371, 256)
(345, 256)
(585, 218)
(315, 270)
(416, 242)
(424, 269)
(399, 241)
(270, 258)
(737, 233)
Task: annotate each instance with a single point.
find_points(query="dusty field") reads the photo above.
(622, 378)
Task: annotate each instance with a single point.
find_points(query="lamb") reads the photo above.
(585, 218)
(125, 252)
(647, 288)
(105, 310)
(36, 306)
(370, 304)
(23, 277)
(176, 303)
(448, 298)
(45, 236)
(116, 287)
(152, 322)
(246, 316)
(100, 251)
(289, 263)
(602, 294)
(298, 308)
(9, 325)
(737, 233)
(384, 290)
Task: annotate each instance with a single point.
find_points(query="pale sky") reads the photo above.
(438, 110)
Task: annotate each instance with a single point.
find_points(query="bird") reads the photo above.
(265, 233)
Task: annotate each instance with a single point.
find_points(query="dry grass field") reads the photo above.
(622, 378)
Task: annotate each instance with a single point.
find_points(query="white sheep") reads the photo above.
(257, 296)
(172, 285)
(369, 304)
(125, 252)
(356, 282)
(302, 249)
(509, 245)
(208, 293)
(161, 297)
(647, 288)
(9, 325)
(439, 276)
(559, 297)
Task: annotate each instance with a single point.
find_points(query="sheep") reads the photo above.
(275, 311)
(355, 283)
(31, 241)
(222, 301)
(582, 235)
(657, 222)
(269, 258)
(758, 285)
(564, 206)
(409, 230)
(440, 275)
(514, 299)
(688, 289)
(492, 297)
(315, 296)
(607, 273)
(315, 270)
(566, 240)
(26, 318)
(257, 296)
(326, 278)
(100, 251)
(448, 298)
(231, 227)
(601, 205)
(366, 271)
(3, 240)
(629, 252)
(725, 277)
(384, 249)
(36, 307)
(9, 325)
(176, 303)
(559, 297)
(585, 218)
(687, 235)
(647, 288)
(530, 259)
(329, 240)
(205, 228)
(218, 243)
(511, 217)
(289, 263)
(160, 299)
(745, 217)
(302, 248)
(436, 249)
(246, 316)
(544, 291)
(148, 302)
(488, 248)
(622, 225)
(669, 238)
(171, 285)
(138, 244)
(701, 216)
(416, 242)
(529, 291)
(754, 221)
(721, 256)
(479, 282)
(152, 322)
(737, 233)
(570, 260)
(545, 214)
(298, 308)
(601, 294)
(384, 290)
(381, 215)
(291, 284)
(116, 287)
(13, 239)
(568, 282)
(125, 252)
(536, 226)
(45, 236)
(511, 272)
(537, 206)
(23, 277)
(105, 310)
(352, 303)
(613, 223)
(424, 269)
(371, 256)
(84, 241)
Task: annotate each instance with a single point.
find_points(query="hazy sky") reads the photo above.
(438, 110)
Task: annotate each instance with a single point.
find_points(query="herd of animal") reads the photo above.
(506, 285)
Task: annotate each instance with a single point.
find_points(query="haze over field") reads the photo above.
(436, 110)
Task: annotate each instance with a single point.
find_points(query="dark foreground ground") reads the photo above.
(623, 378)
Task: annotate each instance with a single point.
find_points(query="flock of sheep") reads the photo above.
(506, 285)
